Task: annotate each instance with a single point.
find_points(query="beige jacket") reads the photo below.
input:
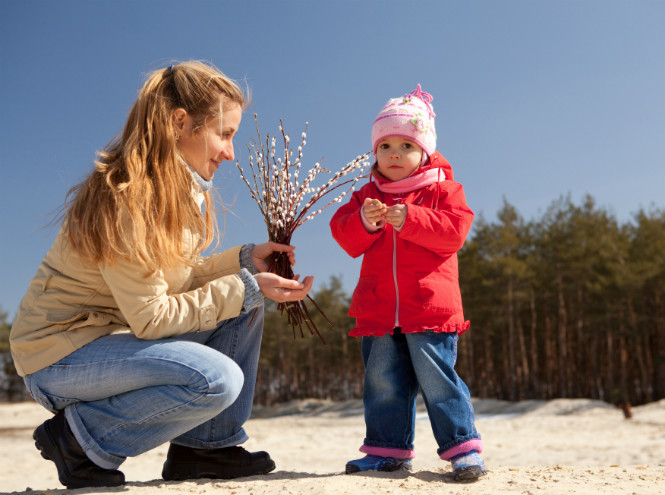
(71, 302)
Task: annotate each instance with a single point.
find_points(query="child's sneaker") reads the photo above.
(378, 463)
(468, 467)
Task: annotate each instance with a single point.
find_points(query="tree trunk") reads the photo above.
(535, 369)
(562, 340)
(512, 368)
(658, 375)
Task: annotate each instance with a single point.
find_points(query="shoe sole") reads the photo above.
(48, 448)
(182, 471)
(468, 474)
(352, 468)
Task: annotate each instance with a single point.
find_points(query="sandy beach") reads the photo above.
(564, 446)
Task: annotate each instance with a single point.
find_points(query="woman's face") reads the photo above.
(206, 148)
(398, 158)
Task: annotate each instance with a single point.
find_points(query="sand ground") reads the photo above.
(563, 446)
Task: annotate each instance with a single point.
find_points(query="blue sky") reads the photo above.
(534, 99)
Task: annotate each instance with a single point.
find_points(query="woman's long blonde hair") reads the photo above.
(138, 203)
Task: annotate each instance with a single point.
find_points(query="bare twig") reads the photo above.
(279, 191)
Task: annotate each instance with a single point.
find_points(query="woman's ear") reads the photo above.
(178, 118)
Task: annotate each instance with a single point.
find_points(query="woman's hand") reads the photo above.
(374, 211)
(262, 254)
(281, 289)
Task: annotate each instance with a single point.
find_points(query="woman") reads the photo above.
(126, 332)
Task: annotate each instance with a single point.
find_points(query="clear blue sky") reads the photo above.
(534, 99)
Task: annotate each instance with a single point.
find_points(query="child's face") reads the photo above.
(398, 158)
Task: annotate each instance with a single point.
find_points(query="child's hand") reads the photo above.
(374, 211)
(395, 215)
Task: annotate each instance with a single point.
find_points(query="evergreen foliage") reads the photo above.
(294, 368)
(571, 304)
(11, 385)
(4, 331)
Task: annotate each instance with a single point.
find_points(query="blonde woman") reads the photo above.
(126, 333)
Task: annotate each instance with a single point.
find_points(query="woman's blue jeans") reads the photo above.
(123, 396)
(396, 366)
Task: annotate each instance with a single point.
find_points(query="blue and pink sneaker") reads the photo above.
(468, 467)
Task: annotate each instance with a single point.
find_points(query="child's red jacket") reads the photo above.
(408, 278)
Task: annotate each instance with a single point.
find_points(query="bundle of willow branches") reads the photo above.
(276, 186)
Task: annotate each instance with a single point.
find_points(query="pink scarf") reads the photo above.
(412, 182)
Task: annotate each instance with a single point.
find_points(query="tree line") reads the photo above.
(11, 385)
(571, 304)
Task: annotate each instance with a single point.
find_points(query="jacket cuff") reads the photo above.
(246, 258)
(253, 296)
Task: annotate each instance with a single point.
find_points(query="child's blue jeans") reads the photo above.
(396, 366)
(123, 396)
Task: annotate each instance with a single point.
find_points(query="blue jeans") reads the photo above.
(123, 396)
(396, 366)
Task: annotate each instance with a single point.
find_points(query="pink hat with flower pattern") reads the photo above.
(410, 117)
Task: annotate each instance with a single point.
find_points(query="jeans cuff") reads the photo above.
(474, 444)
(232, 441)
(388, 452)
(89, 446)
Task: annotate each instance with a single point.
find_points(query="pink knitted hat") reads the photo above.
(410, 117)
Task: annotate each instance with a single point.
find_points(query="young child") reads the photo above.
(409, 221)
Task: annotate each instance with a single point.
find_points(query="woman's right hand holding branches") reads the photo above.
(273, 286)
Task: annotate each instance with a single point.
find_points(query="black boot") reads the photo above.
(57, 443)
(186, 463)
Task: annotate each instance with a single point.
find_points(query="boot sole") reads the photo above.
(179, 471)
